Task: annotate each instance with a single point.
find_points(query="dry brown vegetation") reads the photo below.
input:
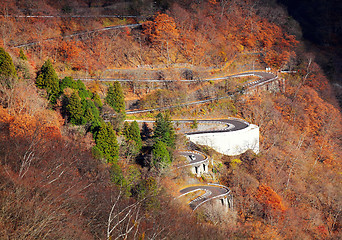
(52, 187)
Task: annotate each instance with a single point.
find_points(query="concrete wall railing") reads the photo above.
(225, 197)
(197, 167)
(205, 160)
(230, 142)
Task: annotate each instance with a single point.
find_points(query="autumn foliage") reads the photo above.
(202, 33)
(56, 183)
(265, 195)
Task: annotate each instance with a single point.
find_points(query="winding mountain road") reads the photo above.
(211, 191)
(78, 34)
(264, 77)
(203, 193)
(193, 157)
(231, 125)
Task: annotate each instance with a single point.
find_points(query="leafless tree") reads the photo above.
(123, 221)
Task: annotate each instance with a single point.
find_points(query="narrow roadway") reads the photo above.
(264, 78)
(232, 125)
(211, 192)
(198, 157)
(78, 34)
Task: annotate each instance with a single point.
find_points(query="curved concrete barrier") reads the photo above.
(199, 165)
(235, 138)
(231, 141)
(211, 192)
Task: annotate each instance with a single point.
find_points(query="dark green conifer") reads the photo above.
(115, 98)
(67, 82)
(160, 155)
(75, 110)
(7, 69)
(89, 108)
(164, 131)
(134, 134)
(88, 115)
(97, 100)
(107, 143)
(125, 130)
(47, 79)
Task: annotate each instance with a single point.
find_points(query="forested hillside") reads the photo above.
(71, 167)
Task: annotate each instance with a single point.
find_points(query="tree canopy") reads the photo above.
(7, 68)
(160, 155)
(47, 79)
(115, 98)
(75, 109)
(106, 143)
(133, 133)
(164, 131)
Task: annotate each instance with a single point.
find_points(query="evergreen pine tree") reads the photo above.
(115, 98)
(95, 126)
(134, 134)
(47, 79)
(67, 82)
(75, 110)
(88, 115)
(164, 131)
(160, 154)
(7, 69)
(125, 130)
(97, 100)
(90, 109)
(107, 143)
(22, 55)
(82, 90)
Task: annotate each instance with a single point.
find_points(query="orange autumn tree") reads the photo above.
(278, 46)
(39, 127)
(29, 132)
(162, 32)
(70, 52)
(269, 198)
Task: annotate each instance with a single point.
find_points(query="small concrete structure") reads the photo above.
(273, 85)
(200, 169)
(225, 202)
(233, 141)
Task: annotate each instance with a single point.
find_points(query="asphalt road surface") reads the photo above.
(232, 125)
(211, 192)
(198, 157)
(264, 77)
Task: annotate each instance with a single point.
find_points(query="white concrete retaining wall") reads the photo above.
(230, 143)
